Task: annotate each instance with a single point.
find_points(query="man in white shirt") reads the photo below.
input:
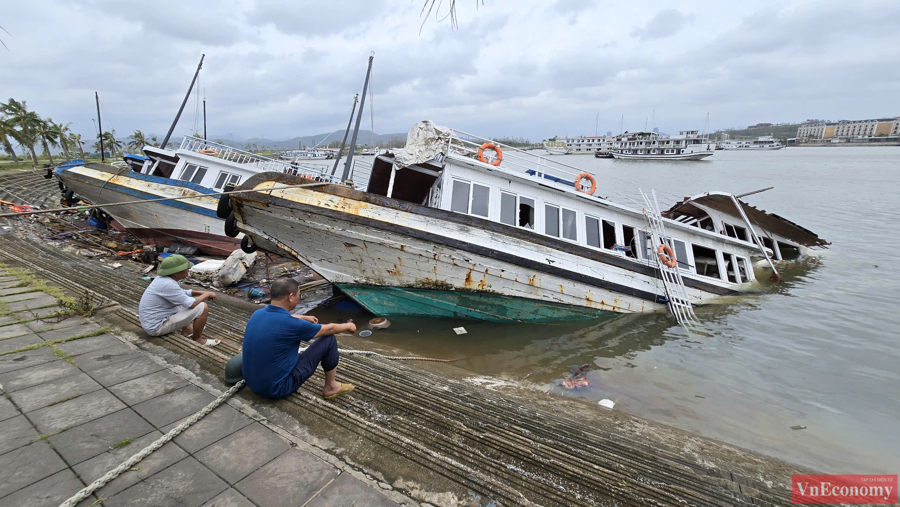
(166, 307)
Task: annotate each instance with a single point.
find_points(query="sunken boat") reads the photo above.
(459, 226)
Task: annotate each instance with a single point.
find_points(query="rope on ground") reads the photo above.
(134, 460)
(395, 358)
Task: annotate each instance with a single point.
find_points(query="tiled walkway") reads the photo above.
(72, 410)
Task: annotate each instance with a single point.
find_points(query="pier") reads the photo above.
(414, 429)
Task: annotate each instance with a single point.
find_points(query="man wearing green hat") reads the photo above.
(166, 307)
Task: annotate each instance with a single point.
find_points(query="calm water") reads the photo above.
(819, 349)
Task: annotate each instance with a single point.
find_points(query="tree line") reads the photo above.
(29, 130)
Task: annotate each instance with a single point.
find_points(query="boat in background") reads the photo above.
(687, 145)
(556, 147)
(763, 143)
(296, 155)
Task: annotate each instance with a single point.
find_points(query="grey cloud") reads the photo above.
(666, 23)
(314, 17)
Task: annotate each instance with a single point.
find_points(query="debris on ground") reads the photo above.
(234, 268)
(606, 403)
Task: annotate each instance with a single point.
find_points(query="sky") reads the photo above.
(523, 68)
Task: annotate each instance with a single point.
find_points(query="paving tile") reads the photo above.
(36, 313)
(28, 377)
(185, 484)
(218, 424)
(15, 433)
(229, 498)
(53, 392)
(68, 331)
(7, 409)
(91, 344)
(348, 491)
(291, 479)
(149, 386)
(14, 330)
(100, 358)
(39, 325)
(9, 291)
(220, 456)
(171, 407)
(10, 344)
(96, 437)
(7, 319)
(96, 467)
(26, 465)
(124, 371)
(29, 304)
(27, 359)
(22, 296)
(49, 492)
(71, 413)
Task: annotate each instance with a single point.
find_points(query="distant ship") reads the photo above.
(556, 147)
(687, 145)
(761, 143)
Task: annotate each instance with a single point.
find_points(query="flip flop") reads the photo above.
(345, 388)
(211, 343)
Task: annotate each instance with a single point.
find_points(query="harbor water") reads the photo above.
(819, 350)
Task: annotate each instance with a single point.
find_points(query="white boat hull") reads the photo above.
(698, 155)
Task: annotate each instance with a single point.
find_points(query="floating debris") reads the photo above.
(798, 427)
(459, 330)
(606, 403)
(575, 384)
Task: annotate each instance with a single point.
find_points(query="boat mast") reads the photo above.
(597, 125)
(362, 105)
(204, 117)
(344, 140)
(177, 116)
(100, 123)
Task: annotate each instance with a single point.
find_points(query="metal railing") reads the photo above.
(254, 162)
(514, 159)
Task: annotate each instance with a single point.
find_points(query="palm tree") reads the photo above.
(154, 140)
(62, 133)
(109, 140)
(26, 123)
(137, 140)
(7, 130)
(47, 136)
(75, 140)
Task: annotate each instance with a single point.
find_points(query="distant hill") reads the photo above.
(778, 131)
(364, 138)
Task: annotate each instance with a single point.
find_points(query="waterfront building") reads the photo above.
(848, 130)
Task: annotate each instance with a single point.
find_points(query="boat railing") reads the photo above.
(360, 173)
(515, 159)
(254, 161)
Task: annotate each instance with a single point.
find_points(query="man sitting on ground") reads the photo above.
(271, 365)
(166, 307)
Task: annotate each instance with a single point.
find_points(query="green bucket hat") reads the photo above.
(173, 264)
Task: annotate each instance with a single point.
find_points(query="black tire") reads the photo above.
(69, 197)
(62, 188)
(247, 245)
(231, 228)
(224, 207)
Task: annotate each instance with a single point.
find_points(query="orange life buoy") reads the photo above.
(209, 152)
(588, 177)
(667, 256)
(490, 146)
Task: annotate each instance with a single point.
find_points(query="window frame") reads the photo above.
(559, 221)
(470, 197)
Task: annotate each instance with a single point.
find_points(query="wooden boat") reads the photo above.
(441, 230)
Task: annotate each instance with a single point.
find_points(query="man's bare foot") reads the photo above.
(187, 330)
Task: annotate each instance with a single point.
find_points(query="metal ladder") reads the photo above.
(678, 302)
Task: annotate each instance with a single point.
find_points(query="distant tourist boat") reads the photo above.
(556, 147)
(444, 229)
(295, 155)
(197, 168)
(760, 143)
(687, 145)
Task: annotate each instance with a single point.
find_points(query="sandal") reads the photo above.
(345, 388)
(211, 343)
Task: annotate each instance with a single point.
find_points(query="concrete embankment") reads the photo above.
(422, 429)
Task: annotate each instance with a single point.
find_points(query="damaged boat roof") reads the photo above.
(721, 202)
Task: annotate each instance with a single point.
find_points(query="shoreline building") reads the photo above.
(850, 131)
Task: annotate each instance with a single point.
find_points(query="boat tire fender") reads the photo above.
(209, 152)
(224, 206)
(247, 245)
(231, 228)
(586, 176)
(69, 197)
(490, 146)
(667, 256)
(62, 187)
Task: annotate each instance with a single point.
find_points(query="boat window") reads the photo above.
(507, 208)
(569, 228)
(705, 261)
(609, 235)
(630, 245)
(730, 269)
(526, 212)
(681, 254)
(459, 201)
(551, 220)
(592, 231)
(706, 224)
(788, 252)
(226, 179)
(481, 200)
(645, 245)
(729, 230)
(741, 233)
(742, 268)
(193, 173)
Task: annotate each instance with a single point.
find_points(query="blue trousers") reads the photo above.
(323, 350)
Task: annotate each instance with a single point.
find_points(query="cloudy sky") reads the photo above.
(525, 68)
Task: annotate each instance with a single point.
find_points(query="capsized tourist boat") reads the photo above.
(687, 145)
(196, 168)
(444, 228)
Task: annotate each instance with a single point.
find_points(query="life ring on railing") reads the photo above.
(490, 146)
(209, 152)
(667, 256)
(588, 177)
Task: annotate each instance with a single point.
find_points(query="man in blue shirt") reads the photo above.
(271, 365)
